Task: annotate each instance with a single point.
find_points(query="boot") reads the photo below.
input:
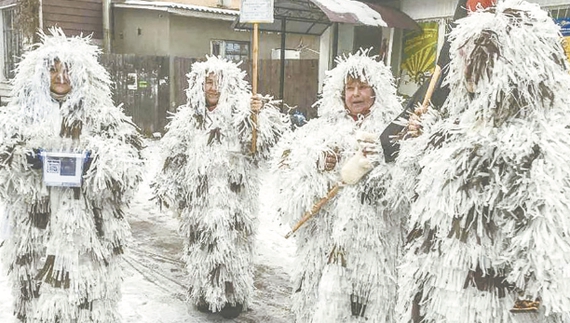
(231, 312)
(203, 306)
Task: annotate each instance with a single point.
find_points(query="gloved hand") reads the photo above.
(87, 162)
(34, 159)
(358, 305)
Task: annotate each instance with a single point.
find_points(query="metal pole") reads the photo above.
(334, 44)
(282, 59)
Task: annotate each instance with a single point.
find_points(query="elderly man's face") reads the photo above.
(59, 79)
(358, 97)
(211, 91)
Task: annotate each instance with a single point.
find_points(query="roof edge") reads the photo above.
(172, 7)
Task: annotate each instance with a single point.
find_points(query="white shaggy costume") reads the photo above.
(65, 244)
(346, 253)
(210, 177)
(489, 225)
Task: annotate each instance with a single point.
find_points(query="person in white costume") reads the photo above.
(489, 228)
(64, 248)
(347, 252)
(211, 179)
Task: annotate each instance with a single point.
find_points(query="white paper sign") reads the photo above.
(63, 168)
(256, 11)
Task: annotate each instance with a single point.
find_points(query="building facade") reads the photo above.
(433, 16)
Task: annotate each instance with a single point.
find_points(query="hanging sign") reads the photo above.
(256, 11)
(63, 168)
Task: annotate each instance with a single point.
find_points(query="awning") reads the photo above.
(313, 17)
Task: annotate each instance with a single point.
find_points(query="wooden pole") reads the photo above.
(254, 86)
(332, 192)
(255, 56)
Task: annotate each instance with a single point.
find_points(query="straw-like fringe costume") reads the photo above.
(211, 179)
(64, 249)
(489, 220)
(347, 252)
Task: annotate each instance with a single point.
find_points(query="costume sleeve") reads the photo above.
(168, 186)
(116, 169)
(112, 178)
(299, 181)
(539, 200)
(17, 179)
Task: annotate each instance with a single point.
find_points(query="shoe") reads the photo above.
(231, 312)
(203, 306)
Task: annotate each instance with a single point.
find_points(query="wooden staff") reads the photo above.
(332, 192)
(430, 90)
(254, 87)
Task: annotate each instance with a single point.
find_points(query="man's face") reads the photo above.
(358, 97)
(59, 79)
(211, 91)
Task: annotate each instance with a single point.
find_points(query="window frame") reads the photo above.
(11, 42)
(222, 49)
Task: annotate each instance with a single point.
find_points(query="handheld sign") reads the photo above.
(63, 168)
(255, 12)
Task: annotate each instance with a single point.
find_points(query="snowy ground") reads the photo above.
(153, 289)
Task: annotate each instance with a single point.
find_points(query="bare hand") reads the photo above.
(421, 110)
(414, 125)
(331, 159)
(256, 103)
(369, 150)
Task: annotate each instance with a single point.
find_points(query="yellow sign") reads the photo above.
(420, 52)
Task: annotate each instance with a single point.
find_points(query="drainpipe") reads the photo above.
(107, 26)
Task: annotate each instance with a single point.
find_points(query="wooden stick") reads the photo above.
(254, 86)
(332, 192)
(431, 88)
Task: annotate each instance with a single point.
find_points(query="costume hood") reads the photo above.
(231, 83)
(90, 94)
(363, 67)
(512, 58)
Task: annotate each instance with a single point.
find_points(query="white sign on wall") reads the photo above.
(132, 81)
(256, 11)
